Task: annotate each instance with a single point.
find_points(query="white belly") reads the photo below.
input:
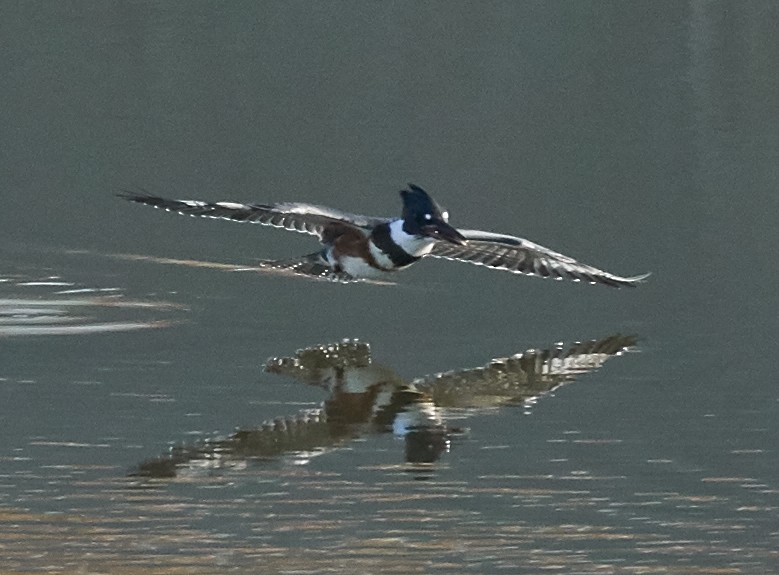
(357, 267)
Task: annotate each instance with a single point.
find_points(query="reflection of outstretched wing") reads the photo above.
(311, 430)
(345, 367)
(314, 364)
(521, 256)
(296, 217)
(520, 377)
(365, 397)
(306, 432)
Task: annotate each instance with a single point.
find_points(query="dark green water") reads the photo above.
(634, 136)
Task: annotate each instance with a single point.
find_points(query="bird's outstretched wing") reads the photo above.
(297, 217)
(521, 256)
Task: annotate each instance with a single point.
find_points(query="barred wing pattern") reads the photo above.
(305, 432)
(296, 217)
(518, 255)
(519, 379)
(523, 377)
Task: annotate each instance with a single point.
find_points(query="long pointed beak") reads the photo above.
(443, 231)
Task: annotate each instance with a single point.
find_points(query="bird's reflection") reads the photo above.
(367, 398)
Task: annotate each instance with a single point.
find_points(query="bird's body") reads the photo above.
(356, 247)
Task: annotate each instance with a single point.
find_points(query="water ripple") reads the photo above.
(36, 307)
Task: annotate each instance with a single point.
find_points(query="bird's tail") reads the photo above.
(312, 266)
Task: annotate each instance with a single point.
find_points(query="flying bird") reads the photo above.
(359, 247)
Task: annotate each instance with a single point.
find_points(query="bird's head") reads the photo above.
(422, 216)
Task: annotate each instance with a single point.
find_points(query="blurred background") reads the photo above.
(633, 136)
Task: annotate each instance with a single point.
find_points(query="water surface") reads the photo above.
(633, 136)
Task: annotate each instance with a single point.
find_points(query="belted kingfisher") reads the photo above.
(358, 247)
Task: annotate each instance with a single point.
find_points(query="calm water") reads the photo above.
(144, 429)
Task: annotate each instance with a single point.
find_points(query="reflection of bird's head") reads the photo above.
(422, 216)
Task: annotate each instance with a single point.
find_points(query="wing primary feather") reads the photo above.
(517, 255)
(297, 217)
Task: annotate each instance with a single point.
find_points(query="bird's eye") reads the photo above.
(428, 217)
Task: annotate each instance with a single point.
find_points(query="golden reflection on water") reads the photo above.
(403, 530)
